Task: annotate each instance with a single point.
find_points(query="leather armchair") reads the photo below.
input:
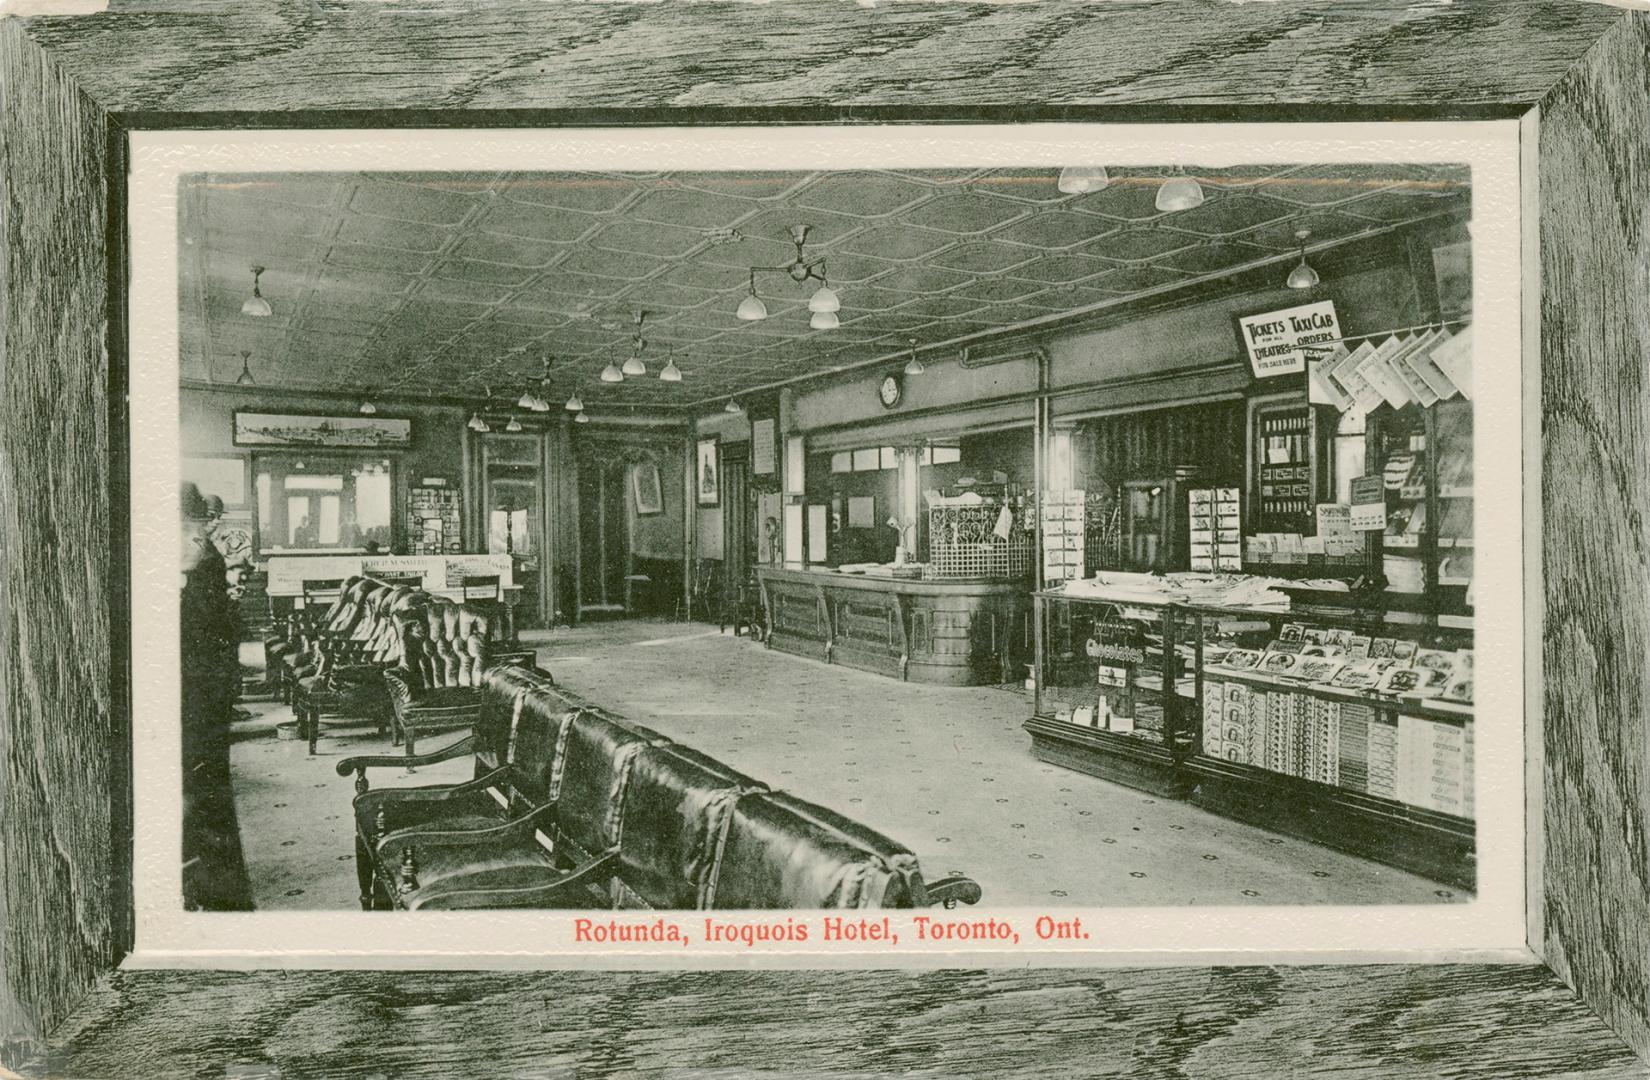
(436, 685)
(345, 677)
(289, 636)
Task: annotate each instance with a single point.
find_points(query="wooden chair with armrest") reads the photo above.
(563, 841)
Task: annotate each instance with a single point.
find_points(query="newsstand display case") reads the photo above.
(1352, 729)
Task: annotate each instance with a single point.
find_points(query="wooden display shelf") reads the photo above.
(1435, 845)
(1110, 755)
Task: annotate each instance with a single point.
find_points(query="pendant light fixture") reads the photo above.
(514, 425)
(1082, 179)
(367, 407)
(914, 366)
(540, 402)
(823, 300)
(1179, 192)
(751, 308)
(581, 418)
(635, 365)
(670, 372)
(611, 373)
(245, 377)
(256, 305)
(1303, 276)
(574, 404)
(475, 423)
(731, 407)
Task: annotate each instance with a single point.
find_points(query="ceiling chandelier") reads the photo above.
(255, 304)
(1303, 276)
(245, 377)
(635, 365)
(534, 399)
(824, 303)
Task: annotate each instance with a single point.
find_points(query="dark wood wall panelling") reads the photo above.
(63, 727)
(1147, 445)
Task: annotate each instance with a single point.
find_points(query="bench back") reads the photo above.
(589, 789)
(676, 809)
(775, 857)
(905, 887)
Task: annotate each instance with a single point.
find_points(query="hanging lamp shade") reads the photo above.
(367, 407)
(634, 366)
(256, 305)
(482, 426)
(1303, 276)
(513, 426)
(582, 418)
(914, 366)
(752, 309)
(824, 320)
(611, 373)
(1179, 193)
(245, 377)
(731, 407)
(474, 422)
(541, 404)
(1082, 179)
(574, 404)
(525, 401)
(824, 299)
(670, 372)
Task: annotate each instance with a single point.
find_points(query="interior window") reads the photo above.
(306, 503)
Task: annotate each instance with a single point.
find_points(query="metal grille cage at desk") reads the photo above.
(963, 542)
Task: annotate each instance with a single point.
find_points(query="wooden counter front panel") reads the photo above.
(953, 634)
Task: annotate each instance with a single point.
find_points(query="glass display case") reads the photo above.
(1354, 730)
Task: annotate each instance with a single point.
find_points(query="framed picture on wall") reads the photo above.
(707, 477)
(343, 432)
(645, 489)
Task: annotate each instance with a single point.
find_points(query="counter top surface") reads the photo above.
(883, 583)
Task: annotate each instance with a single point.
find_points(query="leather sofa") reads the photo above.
(572, 807)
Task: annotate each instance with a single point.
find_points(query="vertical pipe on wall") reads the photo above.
(690, 520)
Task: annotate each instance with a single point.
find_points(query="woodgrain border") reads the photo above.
(72, 88)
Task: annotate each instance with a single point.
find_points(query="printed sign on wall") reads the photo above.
(1277, 341)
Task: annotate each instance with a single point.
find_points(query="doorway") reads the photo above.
(514, 520)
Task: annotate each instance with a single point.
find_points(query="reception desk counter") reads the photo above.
(951, 632)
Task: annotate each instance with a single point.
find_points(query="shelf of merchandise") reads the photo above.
(1429, 842)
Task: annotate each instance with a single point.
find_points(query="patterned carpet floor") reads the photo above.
(946, 771)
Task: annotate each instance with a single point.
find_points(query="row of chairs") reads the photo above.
(573, 807)
(387, 653)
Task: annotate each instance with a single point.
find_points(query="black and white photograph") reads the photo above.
(794, 539)
(1068, 448)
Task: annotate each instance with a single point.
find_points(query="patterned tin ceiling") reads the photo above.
(442, 284)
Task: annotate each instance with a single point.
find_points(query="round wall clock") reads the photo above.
(889, 390)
